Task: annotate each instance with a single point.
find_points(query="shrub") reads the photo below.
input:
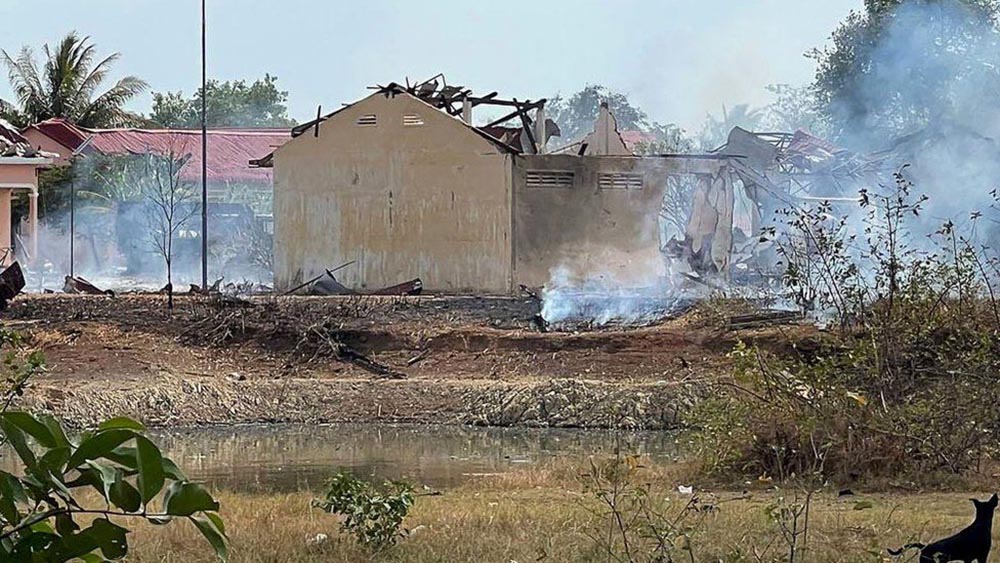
(373, 513)
(630, 519)
(905, 383)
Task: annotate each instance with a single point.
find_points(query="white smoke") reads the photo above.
(929, 95)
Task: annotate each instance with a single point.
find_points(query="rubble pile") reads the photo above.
(12, 144)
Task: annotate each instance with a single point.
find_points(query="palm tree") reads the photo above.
(66, 86)
(715, 131)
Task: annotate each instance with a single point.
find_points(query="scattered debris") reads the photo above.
(318, 539)
(76, 284)
(419, 357)
(530, 292)
(317, 278)
(11, 283)
(328, 285)
(346, 353)
(702, 281)
(14, 145)
(197, 290)
(412, 287)
(246, 287)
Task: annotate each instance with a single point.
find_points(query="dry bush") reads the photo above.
(909, 379)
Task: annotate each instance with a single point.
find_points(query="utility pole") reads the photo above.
(204, 156)
(72, 217)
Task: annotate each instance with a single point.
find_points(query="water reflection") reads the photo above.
(295, 457)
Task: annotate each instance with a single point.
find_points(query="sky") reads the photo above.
(677, 59)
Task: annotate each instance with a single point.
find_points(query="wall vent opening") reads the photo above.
(619, 181)
(412, 120)
(369, 120)
(549, 179)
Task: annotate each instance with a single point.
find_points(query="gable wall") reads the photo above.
(431, 201)
(41, 141)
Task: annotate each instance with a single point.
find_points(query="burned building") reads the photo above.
(404, 184)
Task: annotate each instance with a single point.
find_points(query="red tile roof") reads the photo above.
(631, 138)
(62, 132)
(229, 150)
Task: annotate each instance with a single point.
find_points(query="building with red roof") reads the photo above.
(229, 150)
(19, 166)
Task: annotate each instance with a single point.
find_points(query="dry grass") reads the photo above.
(543, 515)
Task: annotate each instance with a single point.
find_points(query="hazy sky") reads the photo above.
(678, 59)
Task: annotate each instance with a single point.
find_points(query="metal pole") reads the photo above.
(204, 156)
(72, 219)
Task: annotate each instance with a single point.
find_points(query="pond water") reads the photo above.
(294, 457)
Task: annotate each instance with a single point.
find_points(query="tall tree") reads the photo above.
(576, 114)
(171, 203)
(899, 65)
(229, 104)
(793, 107)
(67, 86)
(716, 130)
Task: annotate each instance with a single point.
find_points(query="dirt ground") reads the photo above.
(473, 360)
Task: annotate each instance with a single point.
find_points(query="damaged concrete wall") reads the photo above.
(593, 214)
(401, 188)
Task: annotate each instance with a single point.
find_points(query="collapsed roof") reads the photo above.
(458, 101)
(14, 145)
(799, 164)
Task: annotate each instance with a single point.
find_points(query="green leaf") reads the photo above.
(11, 487)
(32, 427)
(151, 475)
(35, 543)
(217, 520)
(43, 527)
(65, 525)
(100, 445)
(213, 535)
(55, 428)
(171, 470)
(184, 499)
(863, 505)
(11, 493)
(109, 537)
(125, 496)
(124, 455)
(122, 422)
(55, 460)
(107, 476)
(87, 476)
(18, 440)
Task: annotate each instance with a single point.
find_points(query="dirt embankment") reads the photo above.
(418, 359)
